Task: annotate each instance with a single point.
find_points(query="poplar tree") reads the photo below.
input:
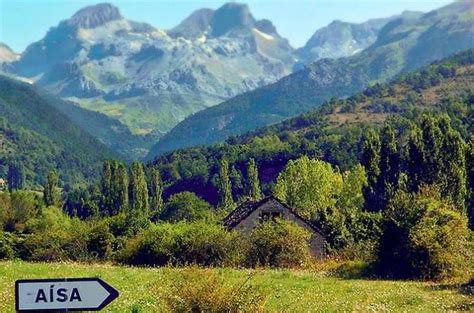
(414, 159)
(389, 164)
(106, 188)
(253, 181)
(156, 192)
(236, 181)
(224, 186)
(120, 188)
(15, 176)
(453, 173)
(371, 161)
(138, 188)
(51, 195)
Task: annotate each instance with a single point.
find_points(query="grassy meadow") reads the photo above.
(146, 289)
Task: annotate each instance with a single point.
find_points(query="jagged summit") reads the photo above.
(194, 25)
(95, 15)
(231, 16)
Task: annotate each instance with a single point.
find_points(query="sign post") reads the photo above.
(63, 294)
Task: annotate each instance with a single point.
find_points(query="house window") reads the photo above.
(270, 216)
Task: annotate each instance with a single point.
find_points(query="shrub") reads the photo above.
(279, 244)
(54, 236)
(423, 236)
(17, 208)
(6, 246)
(181, 243)
(438, 242)
(198, 290)
(100, 239)
(186, 206)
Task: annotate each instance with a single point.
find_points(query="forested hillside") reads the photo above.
(403, 45)
(36, 138)
(386, 176)
(333, 132)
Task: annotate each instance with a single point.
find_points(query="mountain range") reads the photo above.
(405, 43)
(333, 132)
(143, 91)
(147, 80)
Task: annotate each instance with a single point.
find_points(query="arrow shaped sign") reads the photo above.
(73, 294)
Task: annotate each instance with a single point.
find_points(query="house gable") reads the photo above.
(247, 216)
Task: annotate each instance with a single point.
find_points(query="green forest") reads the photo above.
(387, 175)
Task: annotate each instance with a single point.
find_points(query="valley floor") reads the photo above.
(288, 290)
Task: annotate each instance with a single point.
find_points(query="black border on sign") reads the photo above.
(113, 293)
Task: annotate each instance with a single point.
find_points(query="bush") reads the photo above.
(181, 243)
(279, 244)
(6, 246)
(424, 236)
(100, 239)
(54, 236)
(17, 208)
(197, 290)
(186, 206)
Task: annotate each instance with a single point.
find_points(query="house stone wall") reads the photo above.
(316, 242)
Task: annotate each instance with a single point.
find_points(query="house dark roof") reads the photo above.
(246, 208)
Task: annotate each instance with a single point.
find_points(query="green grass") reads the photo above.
(288, 291)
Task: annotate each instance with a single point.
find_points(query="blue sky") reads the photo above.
(25, 21)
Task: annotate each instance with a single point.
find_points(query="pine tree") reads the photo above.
(50, 192)
(156, 192)
(253, 191)
(224, 186)
(371, 161)
(138, 189)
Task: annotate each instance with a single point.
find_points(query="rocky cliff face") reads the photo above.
(342, 39)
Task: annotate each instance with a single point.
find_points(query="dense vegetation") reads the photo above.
(333, 133)
(36, 138)
(397, 196)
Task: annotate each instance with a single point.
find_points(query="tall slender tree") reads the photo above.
(371, 161)
(51, 193)
(120, 188)
(453, 176)
(389, 164)
(106, 188)
(15, 176)
(224, 186)
(156, 192)
(138, 189)
(253, 191)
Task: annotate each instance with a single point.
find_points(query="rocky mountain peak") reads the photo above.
(95, 15)
(266, 26)
(231, 16)
(194, 25)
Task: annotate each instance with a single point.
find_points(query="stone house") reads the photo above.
(248, 215)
